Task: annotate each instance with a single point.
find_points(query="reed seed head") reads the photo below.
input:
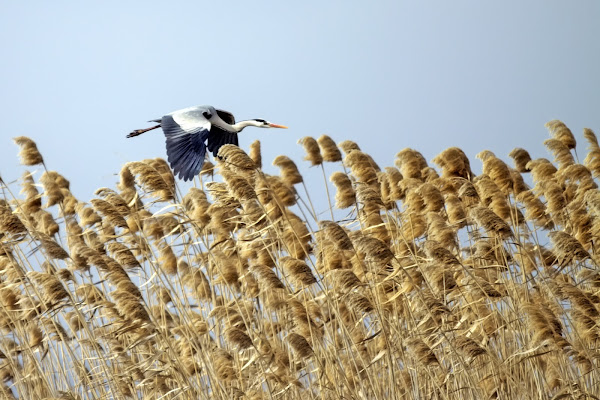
(236, 158)
(521, 157)
(298, 271)
(313, 152)
(454, 163)
(255, 154)
(559, 131)
(329, 149)
(29, 153)
(288, 170)
(345, 195)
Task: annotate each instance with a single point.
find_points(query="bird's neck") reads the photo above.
(242, 124)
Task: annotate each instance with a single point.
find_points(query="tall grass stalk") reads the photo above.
(421, 283)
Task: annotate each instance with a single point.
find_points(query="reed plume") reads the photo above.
(411, 163)
(561, 132)
(345, 196)
(313, 152)
(521, 157)
(361, 166)
(9, 221)
(255, 154)
(491, 222)
(328, 148)
(29, 153)
(454, 163)
(348, 146)
(422, 282)
(592, 159)
(152, 179)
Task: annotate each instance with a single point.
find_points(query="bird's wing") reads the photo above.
(193, 118)
(217, 137)
(186, 133)
(226, 116)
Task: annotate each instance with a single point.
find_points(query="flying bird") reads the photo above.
(191, 131)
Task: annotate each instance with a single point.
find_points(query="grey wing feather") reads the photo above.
(186, 148)
(218, 137)
(226, 116)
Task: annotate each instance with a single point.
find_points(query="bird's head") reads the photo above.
(261, 123)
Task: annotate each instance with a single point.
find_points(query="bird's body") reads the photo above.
(190, 131)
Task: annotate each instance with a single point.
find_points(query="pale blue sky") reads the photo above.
(78, 76)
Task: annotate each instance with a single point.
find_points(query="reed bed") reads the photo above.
(410, 281)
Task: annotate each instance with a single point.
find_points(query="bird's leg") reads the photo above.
(138, 132)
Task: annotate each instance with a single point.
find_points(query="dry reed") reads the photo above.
(419, 283)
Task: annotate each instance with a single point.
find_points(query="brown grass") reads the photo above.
(418, 283)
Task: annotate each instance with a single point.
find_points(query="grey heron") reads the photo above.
(190, 131)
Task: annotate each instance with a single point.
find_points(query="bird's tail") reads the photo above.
(138, 132)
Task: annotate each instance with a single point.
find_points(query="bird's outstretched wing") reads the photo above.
(186, 134)
(226, 116)
(217, 137)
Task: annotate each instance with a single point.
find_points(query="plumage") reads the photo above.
(190, 131)
(217, 137)
(226, 116)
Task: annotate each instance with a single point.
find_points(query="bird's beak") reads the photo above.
(277, 126)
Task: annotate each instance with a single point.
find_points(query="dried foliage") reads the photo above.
(29, 152)
(255, 154)
(313, 152)
(418, 283)
(329, 149)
